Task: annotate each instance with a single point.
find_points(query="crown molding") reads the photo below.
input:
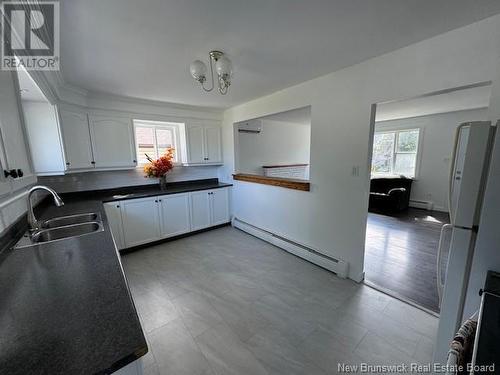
(99, 95)
(58, 91)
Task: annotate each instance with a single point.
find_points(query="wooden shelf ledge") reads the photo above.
(288, 183)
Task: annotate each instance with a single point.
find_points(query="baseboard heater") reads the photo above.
(338, 266)
(426, 205)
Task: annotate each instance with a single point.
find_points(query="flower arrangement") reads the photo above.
(159, 167)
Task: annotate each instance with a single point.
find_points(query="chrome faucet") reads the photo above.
(32, 221)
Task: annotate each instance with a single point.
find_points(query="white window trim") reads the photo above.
(175, 126)
(418, 151)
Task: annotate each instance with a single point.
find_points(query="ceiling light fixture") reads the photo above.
(223, 67)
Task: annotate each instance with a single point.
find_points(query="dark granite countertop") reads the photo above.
(65, 306)
(142, 191)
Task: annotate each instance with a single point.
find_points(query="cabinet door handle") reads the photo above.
(92, 162)
(156, 201)
(68, 163)
(118, 206)
(135, 161)
(159, 200)
(20, 173)
(12, 173)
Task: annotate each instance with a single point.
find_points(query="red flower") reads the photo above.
(158, 168)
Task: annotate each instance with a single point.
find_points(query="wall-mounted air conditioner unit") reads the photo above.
(251, 126)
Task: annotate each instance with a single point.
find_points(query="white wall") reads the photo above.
(115, 179)
(277, 143)
(437, 133)
(332, 216)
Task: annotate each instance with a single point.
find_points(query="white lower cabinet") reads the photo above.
(209, 208)
(134, 368)
(174, 214)
(200, 210)
(219, 206)
(114, 215)
(139, 221)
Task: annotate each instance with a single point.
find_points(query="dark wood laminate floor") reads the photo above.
(401, 253)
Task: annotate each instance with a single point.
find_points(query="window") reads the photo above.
(395, 152)
(154, 138)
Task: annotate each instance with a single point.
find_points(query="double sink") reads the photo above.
(62, 227)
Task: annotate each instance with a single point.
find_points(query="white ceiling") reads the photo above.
(143, 48)
(459, 100)
(301, 116)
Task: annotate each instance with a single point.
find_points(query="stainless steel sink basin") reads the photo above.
(59, 233)
(66, 231)
(69, 220)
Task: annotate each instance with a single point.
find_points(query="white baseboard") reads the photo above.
(426, 205)
(338, 266)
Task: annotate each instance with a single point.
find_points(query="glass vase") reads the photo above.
(163, 182)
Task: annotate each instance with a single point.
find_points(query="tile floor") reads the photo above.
(224, 302)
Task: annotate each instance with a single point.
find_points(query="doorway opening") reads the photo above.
(411, 148)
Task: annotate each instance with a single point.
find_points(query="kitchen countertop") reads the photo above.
(65, 306)
(144, 191)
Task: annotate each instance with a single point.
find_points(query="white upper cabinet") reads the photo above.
(5, 183)
(195, 144)
(174, 214)
(203, 143)
(87, 141)
(44, 137)
(76, 139)
(213, 149)
(112, 141)
(15, 150)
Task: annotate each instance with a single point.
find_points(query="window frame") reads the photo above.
(174, 127)
(395, 151)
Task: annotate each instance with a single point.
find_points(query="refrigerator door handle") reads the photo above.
(440, 281)
(452, 170)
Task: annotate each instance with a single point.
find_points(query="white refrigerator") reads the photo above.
(468, 178)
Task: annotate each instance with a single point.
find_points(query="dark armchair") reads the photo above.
(391, 194)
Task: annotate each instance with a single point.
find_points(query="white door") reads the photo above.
(174, 214)
(112, 141)
(141, 222)
(76, 139)
(457, 274)
(200, 210)
(220, 206)
(213, 152)
(195, 144)
(14, 139)
(113, 213)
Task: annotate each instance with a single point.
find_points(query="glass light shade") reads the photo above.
(224, 66)
(198, 69)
